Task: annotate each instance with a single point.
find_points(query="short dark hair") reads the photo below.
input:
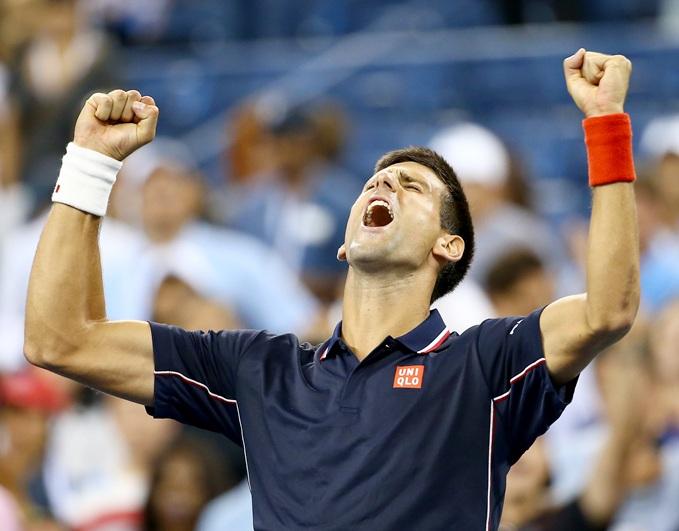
(455, 216)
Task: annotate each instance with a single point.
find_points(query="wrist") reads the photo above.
(615, 109)
(86, 179)
(92, 145)
(609, 149)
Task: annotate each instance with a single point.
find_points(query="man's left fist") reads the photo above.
(597, 82)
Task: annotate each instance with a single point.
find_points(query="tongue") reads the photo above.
(380, 216)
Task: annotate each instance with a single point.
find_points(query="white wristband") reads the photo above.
(86, 179)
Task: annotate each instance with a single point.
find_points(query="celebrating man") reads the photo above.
(394, 422)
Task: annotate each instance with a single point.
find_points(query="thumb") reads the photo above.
(572, 66)
(147, 116)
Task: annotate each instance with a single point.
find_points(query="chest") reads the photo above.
(409, 397)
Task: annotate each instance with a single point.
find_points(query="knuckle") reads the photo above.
(103, 100)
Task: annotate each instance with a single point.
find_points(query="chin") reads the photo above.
(366, 257)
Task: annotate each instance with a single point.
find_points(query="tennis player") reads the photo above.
(395, 422)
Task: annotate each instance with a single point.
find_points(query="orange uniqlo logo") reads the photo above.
(408, 376)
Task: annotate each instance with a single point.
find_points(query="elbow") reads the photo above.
(32, 353)
(613, 325)
(45, 352)
(614, 317)
(41, 355)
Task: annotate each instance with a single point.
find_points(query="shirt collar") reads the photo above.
(426, 337)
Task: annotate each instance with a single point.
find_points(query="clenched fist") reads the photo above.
(597, 82)
(117, 123)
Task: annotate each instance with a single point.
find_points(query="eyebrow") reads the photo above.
(401, 174)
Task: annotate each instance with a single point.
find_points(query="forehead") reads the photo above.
(417, 171)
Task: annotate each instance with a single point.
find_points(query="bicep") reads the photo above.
(568, 340)
(115, 357)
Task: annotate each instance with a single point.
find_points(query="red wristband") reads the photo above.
(609, 149)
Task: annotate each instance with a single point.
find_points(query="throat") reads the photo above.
(372, 311)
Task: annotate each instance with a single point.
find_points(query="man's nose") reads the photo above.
(386, 180)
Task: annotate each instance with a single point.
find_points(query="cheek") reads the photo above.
(354, 218)
(424, 216)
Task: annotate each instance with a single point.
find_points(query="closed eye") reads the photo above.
(408, 182)
(411, 184)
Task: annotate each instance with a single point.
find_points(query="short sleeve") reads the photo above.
(523, 393)
(195, 377)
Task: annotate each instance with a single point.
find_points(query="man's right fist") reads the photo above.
(117, 123)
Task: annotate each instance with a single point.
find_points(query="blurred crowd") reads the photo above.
(258, 250)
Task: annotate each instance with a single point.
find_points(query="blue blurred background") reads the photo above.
(273, 113)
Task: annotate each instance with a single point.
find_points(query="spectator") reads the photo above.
(518, 283)
(482, 164)
(14, 198)
(98, 464)
(652, 483)
(660, 142)
(627, 459)
(240, 272)
(659, 248)
(187, 475)
(178, 303)
(299, 208)
(664, 339)
(63, 61)
(27, 402)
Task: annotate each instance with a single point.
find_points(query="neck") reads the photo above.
(376, 307)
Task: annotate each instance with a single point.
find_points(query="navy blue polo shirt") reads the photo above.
(419, 435)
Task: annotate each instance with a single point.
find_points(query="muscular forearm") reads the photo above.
(65, 289)
(613, 259)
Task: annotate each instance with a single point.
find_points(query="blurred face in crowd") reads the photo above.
(25, 430)
(177, 303)
(534, 290)
(294, 153)
(527, 486)
(171, 198)
(396, 221)
(180, 492)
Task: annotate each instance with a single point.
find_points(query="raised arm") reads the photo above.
(66, 327)
(575, 329)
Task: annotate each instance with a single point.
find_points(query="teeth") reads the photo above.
(381, 203)
(371, 206)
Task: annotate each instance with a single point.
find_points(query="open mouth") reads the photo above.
(378, 214)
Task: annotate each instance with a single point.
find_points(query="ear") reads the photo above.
(448, 248)
(342, 253)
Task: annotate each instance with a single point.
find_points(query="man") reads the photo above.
(394, 422)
